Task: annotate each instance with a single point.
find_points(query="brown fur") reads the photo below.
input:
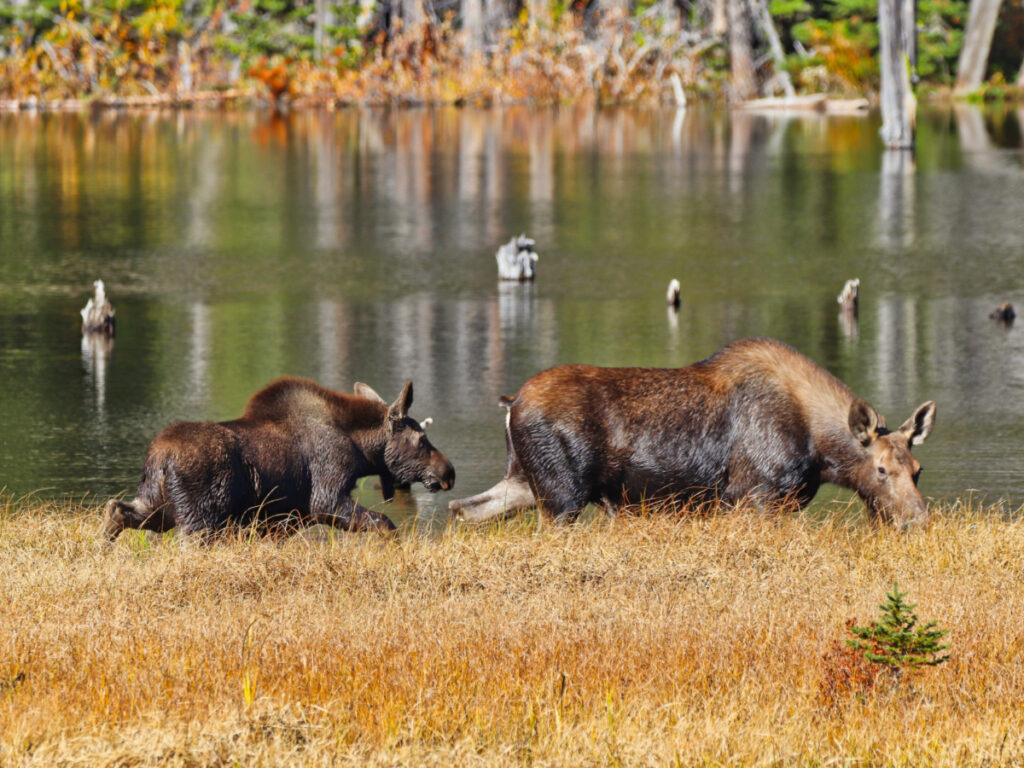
(292, 458)
(758, 420)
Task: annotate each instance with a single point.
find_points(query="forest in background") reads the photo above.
(475, 51)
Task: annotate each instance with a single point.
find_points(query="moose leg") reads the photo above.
(560, 497)
(509, 496)
(387, 488)
(560, 505)
(611, 507)
(122, 514)
(350, 516)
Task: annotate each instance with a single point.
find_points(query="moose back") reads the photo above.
(292, 459)
(756, 421)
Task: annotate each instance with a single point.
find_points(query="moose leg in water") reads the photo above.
(350, 515)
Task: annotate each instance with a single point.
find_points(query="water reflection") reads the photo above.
(96, 351)
(896, 227)
(199, 353)
(359, 245)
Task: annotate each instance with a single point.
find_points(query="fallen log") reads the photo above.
(815, 102)
(149, 101)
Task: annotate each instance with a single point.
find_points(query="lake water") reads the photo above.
(359, 245)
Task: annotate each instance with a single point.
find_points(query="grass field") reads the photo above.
(659, 640)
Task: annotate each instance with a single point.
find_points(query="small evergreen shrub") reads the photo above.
(879, 653)
(895, 641)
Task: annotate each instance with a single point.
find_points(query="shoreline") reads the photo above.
(832, 105)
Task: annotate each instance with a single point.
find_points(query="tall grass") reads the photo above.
(639, 641)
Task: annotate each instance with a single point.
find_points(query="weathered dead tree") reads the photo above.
(848, 297)
(672, 296)
(516, 259)
(981, 24)
(319, 24)
(741, 53)
(719, 18)
(897, 51)
(473, 24)
(767, 25)
(412, 14)
(98, 315)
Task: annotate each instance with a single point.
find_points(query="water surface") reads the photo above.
(358, 245)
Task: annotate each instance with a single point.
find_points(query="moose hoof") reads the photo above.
(114, 519)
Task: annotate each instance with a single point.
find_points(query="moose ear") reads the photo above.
(919, 426)
(863, 421)
(365, 390)
(400, 408)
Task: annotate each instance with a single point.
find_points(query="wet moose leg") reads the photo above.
(122, 514)
(350, 516)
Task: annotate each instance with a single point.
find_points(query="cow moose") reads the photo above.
(757, 421)
(292, 459)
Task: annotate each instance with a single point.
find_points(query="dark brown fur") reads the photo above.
(756, 421)
(291, 459)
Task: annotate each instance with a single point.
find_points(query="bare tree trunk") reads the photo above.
(981, 23)
(319, 20)
(899, 106)
(719, 17)
(473, 24)
(495, 18)
(741, 56)
(185, 66)
(412, 14)
(764, 18)
(908, 15)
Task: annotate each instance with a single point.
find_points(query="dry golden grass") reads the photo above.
(638, 641)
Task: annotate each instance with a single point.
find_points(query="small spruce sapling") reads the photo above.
(896, 641)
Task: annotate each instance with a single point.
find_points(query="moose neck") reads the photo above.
(840, 455)
(368, 428)
(826, 402)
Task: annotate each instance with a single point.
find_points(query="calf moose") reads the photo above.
(291, 459)
(755, 421)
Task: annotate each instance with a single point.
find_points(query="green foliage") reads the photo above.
(845, 9)
(285, 27)
(940, 25)
(844, 47)
(994, 89)
(895, 641)
(842, 35)
(788, 9)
